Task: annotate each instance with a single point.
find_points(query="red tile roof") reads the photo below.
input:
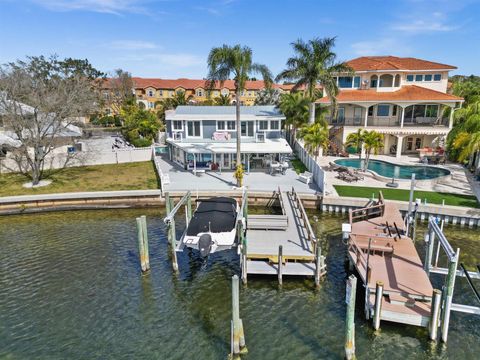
(406, 93)
(372, 63)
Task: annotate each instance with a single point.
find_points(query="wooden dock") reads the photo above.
(381, 252)
(290, 230)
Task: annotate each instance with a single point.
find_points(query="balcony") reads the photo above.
(345, 121)
(388, 121)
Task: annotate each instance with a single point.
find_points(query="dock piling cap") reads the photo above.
(346, 227)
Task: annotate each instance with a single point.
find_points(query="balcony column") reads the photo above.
(402, 117)
(366, 115)
(399, 146)
(450, 120)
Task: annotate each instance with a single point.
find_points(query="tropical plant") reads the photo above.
(178, 98)
(222, 100)
(236, 61)
(140, 125)
(465, 139)
(355, 140)
(314, 63)
(269, 96)
(373, 142)
(295, 108)
(238, 175)
(315, 137)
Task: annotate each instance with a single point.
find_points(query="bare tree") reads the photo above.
(40, 100)
(118, 90)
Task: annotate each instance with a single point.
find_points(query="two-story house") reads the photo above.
(205, 136)
(403, 98)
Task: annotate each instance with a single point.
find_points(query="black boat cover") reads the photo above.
(216, 214)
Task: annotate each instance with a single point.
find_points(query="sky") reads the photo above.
(172, 38)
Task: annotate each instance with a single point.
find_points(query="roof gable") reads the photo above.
(376, 63)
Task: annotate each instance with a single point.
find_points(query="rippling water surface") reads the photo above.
(70, 288)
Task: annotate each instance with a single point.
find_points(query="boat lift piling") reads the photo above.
(350, 296)
(143, 243)
(238, 345)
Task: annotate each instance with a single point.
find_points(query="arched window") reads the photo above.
(386, 80)
(199, 92)
(373, 81)
(397, 80)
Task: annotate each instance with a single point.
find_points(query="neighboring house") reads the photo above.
(402, 98)
(149, 91)
(199, 136)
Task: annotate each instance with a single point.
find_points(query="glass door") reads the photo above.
(357, 115)
(246, 128)
(226, 161)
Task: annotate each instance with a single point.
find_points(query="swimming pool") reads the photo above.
(389, 170)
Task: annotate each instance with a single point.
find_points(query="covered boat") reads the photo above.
(213, 225)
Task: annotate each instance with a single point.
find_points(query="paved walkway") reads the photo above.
(460, 181)
(181, 179)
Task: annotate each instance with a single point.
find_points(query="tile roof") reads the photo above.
(372, 63)
(406, 94)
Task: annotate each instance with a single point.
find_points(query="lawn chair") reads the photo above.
(305, 177)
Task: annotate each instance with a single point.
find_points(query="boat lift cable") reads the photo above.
(470, 282)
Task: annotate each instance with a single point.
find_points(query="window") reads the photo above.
(437, 77)
(428, 77)
(193, 128)
(383, 110)
(199, 92)
(409, 78)
(151, 104)
(263, 125)
(356, 82)
(231, 125)
(151, 93)
(216, 93)
(274, 125)
(373, 81)
(160, 92)
(220, 125)
(177, 125)
(394, 110)
(431, 111)
(345, 82)
(170, 93)
(418, 77)
(246, 128)
(370, 111)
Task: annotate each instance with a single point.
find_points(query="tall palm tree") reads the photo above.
(314, 63)
(467, 138)
(373, 141)
(315, 137)
(295, 108)
(356, 140)
(235, 61)
(178, 98)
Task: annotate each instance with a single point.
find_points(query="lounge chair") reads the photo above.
(305, 177)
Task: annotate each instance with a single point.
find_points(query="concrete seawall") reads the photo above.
(153, 198)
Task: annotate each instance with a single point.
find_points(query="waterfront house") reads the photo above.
(405, 99)
(204, 137)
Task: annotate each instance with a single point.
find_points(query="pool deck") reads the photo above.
(459, 182)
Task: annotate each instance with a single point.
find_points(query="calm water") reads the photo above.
(389, 170)
(71, 289)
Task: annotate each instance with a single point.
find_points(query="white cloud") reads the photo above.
(102, 6)
(387, 46)
(132, 45)
(422, 26)
(175, 60)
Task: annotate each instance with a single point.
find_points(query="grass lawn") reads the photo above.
(129, 176)
(298, 166)
(403, 195)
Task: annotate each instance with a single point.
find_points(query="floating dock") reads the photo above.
(381, 252)
(287, 236)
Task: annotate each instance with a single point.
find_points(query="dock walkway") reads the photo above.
(291, 230)
(393, 260)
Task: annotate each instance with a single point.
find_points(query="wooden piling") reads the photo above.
(244, 268)
(435, 314)
(141, 246)
(318, 264)
(238, 337)
(171, 232)
(145, 240)
(280, 265)
(447, 299)
(351, 290)
(378, 305)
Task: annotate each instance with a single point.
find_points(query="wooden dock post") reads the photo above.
(280, 265)
(145, 240)
(238, 336)
(378, 305)
(318, 264)
(142, 249)
(435, 314)
(244, 267)
(171, 232)
(350, 322)
(447, 298)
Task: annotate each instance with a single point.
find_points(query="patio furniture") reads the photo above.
(221, 135)
(275, 167)
(305, 177)
(284, 166)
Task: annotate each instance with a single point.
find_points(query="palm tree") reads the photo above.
(315, 137)
(178, 98)
(466, 139)
(268, 96)
(295, 108)
(314, 63)
(373, 141)
(356, 140)
(222, 100)
(235, 61)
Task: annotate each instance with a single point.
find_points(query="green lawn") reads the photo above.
(298, 166)
(130, 176)
(403, 195)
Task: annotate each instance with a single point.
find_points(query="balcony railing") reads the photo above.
(388, 121)
(346, 121)
(426, 121)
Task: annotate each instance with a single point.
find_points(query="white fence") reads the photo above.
(312, 166)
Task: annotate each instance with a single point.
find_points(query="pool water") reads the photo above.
(390, 170)
(71, 288)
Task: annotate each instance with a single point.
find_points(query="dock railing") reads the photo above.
(282, 205)
(368, 212)
(311, 237)
(361, 259)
